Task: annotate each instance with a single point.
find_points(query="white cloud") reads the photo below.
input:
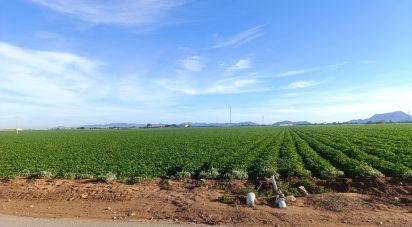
(240, 38)
(325, 68)
(45, 87)
(47, 77)
(139, 13)
(131, 88)
(245, 63)
(192, 63)
(233, 85)
(302, 84)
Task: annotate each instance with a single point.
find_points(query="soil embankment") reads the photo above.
(367, 202)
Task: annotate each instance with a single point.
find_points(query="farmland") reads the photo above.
(325, 152)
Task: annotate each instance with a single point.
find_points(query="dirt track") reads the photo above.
(191, 201)
(15, 221)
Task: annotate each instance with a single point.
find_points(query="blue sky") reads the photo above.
(74, 62)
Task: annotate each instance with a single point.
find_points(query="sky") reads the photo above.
(76, 62)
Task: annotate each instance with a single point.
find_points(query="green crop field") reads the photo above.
(232, 152)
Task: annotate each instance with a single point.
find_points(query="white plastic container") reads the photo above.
(250, 199)
(281, 202)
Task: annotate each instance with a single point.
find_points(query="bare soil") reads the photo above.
(361, 202)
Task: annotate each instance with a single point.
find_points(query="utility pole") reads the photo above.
(263, 120)
(230, 115)
(17, 125)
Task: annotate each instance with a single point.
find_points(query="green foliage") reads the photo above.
(312, 187)
(224, 185)
(287, 189)
(132, 180)
(266, 193)
(226, 199)
(84, 176)
(182, 175)
(108, 177)
(44, 174)
(69, 175)
(244, 191)
(212, 173)
(236, 174)
(325, 152)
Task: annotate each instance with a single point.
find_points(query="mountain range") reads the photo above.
(395, 117)
(292, 123)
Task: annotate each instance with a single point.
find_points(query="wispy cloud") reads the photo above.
(324, 68)
(302, 84)
(234, 85)
(192, 63)
(47, 77)
(59, 79)
(50, 86)
(245, 63)
(240, 38)
(138, 13)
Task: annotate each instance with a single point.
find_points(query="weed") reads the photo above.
(312, 187)
(226, 199)
(25, 173)
(182, 175)
(244, 191)
(132, 180)
(212, 173)
(84, 176)
(237, 174)
(287, 189)
(44, 174)
(69, 176)
(266, 193)
(222, 185)
(108, 177)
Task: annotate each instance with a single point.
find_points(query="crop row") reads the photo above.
(232, 152)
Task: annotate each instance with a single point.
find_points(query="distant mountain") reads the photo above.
(133, 125)
(114, 125)
(292, 123)
(395, 117)
(248, 123)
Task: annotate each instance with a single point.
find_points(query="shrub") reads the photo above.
(212, 173)
(69, 176)
(84, 176)
(407, 175)
(25, 173)
(266, 172)
(44, 174)
(367, 171)
(331, 173)
(287, 189)
(182, 175)
(108, 177)
(237, 174)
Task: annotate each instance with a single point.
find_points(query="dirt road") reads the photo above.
(15, 221)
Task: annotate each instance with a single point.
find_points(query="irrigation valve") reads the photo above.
(280, 197)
